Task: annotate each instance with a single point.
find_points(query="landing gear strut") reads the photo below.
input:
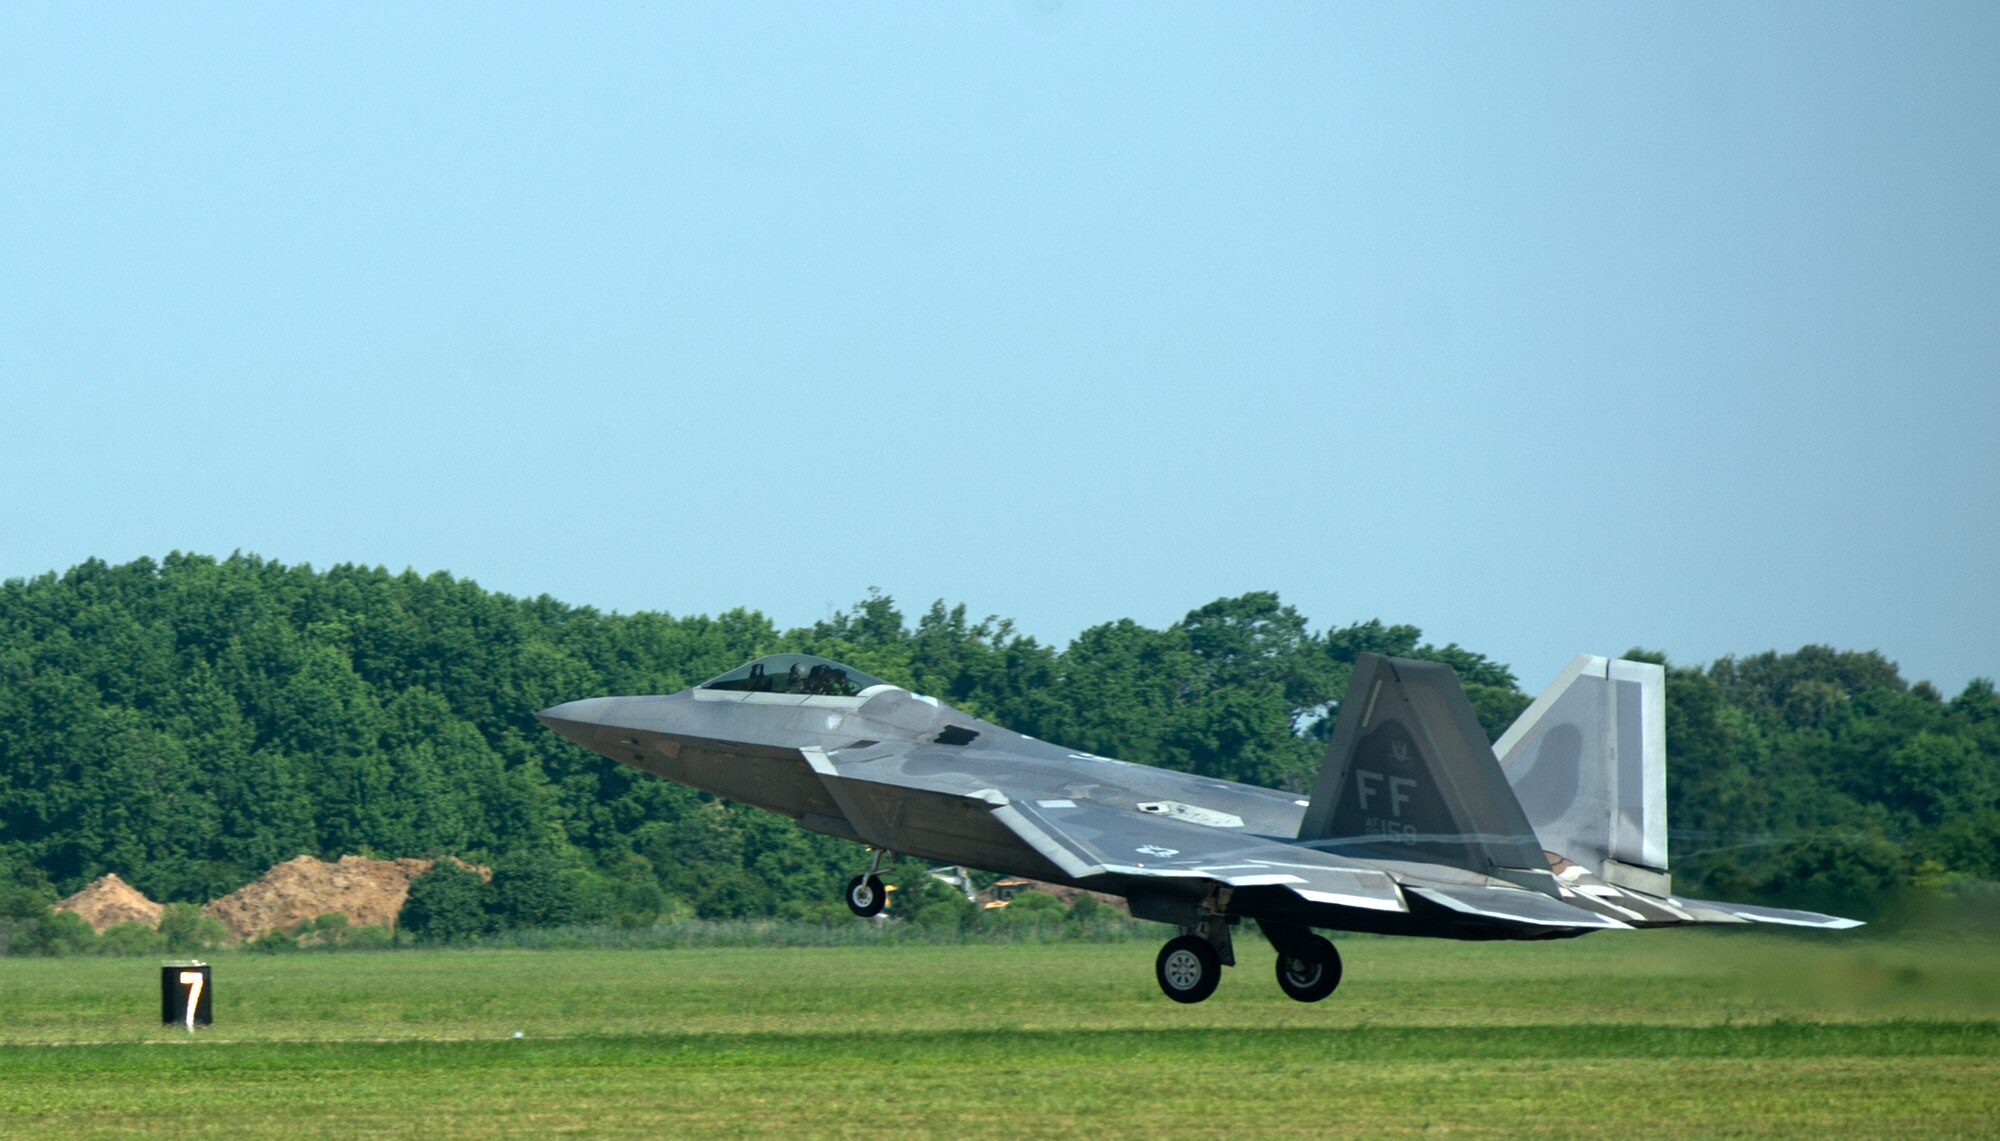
(865, 894)
(1190, 965)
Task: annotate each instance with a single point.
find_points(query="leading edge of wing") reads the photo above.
(1087, 841)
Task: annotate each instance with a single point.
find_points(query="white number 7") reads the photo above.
(192, 980)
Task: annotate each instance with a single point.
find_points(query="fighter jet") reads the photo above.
(1415, 826)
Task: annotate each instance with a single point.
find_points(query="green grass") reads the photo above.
(1618, 1035)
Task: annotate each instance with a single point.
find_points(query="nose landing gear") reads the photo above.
(865, 895)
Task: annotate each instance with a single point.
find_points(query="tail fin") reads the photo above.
(1589, 762)
(1409, 775)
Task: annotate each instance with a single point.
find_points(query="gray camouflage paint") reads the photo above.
(1414, 827)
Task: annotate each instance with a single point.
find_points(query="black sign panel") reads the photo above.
(187, 995)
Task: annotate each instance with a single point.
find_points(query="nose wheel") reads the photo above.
(866, 895)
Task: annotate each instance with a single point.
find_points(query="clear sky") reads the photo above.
(1546, 328)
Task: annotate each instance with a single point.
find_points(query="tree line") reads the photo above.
(192, 721)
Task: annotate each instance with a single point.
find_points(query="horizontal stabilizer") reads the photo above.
(1516, 907)
(1780, 915)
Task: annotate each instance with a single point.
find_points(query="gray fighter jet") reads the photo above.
(1415, 826)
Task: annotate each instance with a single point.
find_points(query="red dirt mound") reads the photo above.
(366, 891)
(109, 901)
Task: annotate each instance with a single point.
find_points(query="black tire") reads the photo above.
(866, 896)
(1188, 968)
(1314, 975)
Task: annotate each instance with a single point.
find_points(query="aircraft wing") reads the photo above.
(1100, 841)
(919, 800)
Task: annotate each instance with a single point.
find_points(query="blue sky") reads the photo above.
(1546, 328)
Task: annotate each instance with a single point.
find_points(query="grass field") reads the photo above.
(1618, 1035)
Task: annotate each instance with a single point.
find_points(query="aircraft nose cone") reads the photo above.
(577, 719)
(589, 711)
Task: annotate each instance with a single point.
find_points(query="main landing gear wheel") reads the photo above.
(866, 895)
(1312, 975)
(1188, 968)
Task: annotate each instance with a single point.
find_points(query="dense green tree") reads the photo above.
(19, 901)
(922, 900)
(1807, 688)
(51, 933)
(184, 930)
(1489, 686)
(732, 893)
(447, 904)
(1121, 686)
(189, 722)
(131, 939)
(1032, 908)
(1254, 671)
(530, 888)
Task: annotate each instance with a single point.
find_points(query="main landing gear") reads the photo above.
(1188, 968)
(1309, 972)
(1190, 965)
(865, 894)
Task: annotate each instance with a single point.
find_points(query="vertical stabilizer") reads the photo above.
(1409, 775)
(1588, 761)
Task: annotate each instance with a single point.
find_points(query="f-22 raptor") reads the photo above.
(1415, 826)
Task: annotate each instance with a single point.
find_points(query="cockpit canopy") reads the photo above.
(795, 673)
